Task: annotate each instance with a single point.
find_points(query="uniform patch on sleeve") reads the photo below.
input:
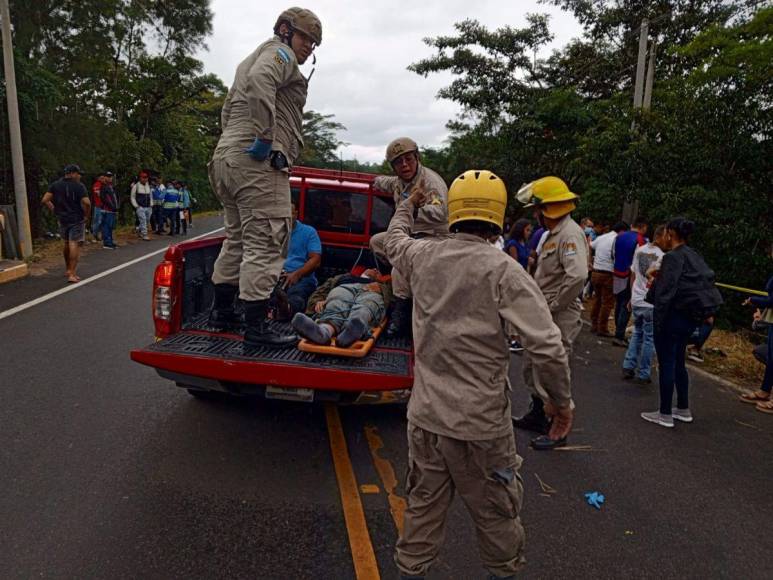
(282, 54)
(571, 249)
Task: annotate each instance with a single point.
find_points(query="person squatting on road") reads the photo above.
(69, 201)
(683, 295)
(469, 298)
(638, 356)
(403, 155)
(763, 317)
(562, 268)
(141, 194)
(346, 307)
(249, 172)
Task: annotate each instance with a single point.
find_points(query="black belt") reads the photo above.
(602, 272)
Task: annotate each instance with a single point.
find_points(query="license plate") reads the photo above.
(290, 394)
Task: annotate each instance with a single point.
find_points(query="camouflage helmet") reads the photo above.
(303, 20)
(399, 147)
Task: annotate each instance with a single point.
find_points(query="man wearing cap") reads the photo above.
(249, 172)
(469, 299)
(432, 219)
(109, 211)
(69, 200)
(141, 200)
(561, 271)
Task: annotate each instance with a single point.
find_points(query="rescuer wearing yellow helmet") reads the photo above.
(469, 298)
(249, 172)
(432, 219)
(562, 269)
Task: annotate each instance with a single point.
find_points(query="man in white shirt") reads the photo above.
(602, 279)
(642, 344)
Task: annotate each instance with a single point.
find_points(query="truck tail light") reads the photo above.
(163, 298)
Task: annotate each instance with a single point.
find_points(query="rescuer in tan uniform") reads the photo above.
(432, 219)
(469, 298)
(249, 173)
(562, 269)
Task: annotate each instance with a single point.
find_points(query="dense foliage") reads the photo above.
(703, 150)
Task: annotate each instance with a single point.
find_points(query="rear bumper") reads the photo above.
(221, 363)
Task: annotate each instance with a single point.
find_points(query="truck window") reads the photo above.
(383, 208)
(295, 195)
(336, 211)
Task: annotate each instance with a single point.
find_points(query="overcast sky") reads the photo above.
(361, 73)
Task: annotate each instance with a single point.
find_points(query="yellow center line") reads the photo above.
(365, 566)
(386, 472)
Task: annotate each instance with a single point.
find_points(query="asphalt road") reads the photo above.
(108, 471)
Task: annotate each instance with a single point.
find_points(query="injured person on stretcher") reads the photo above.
(345, 307)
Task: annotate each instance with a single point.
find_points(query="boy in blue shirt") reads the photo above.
(304, 256)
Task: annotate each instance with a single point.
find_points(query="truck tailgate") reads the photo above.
(224, 357)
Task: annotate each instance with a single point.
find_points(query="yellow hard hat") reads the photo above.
(477, 195)
(557, 210)
(302, 20)
(547, 190)
(399, 147)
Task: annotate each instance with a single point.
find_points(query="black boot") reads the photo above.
(258, 332)
(222, 315)
(535, 420)
(400, 321)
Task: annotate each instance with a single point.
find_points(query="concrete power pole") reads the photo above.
(17, 157)
(631, 204)
(650, 77)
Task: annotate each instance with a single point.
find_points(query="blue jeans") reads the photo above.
(767, 380)
(173, 216)
(671, 344)
(108, 223)
(96, 221)
(352, 301)
(298, 294)
(642, 345)
(622, 315)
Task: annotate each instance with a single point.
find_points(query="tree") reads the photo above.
(320, 140)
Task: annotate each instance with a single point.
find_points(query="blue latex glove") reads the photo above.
(595, 499)
(260, 149)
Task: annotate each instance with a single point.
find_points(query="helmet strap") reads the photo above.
(313, 67)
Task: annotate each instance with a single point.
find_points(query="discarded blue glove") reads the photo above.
(260, 149)
(595, 499)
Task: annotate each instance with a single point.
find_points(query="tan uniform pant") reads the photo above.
(569, 323)
(400, 286)
(485, 473)
(255, 247)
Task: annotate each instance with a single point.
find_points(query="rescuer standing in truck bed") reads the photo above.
(432, 219)
(469, 298)
(249, 172)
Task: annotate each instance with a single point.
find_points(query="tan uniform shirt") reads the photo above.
(433, 219)
(562, 268)
(266, 101)
(468, 299)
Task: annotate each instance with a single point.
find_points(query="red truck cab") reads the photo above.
(346, 210)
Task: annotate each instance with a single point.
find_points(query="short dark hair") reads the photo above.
(682, 227)
(659, 231)
(477, 228)
(639, 222)
(620, 227)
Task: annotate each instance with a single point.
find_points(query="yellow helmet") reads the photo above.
(547, 190)
(477, 195)
(302, 20)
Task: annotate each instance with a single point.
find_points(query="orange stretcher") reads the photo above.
(358, 350)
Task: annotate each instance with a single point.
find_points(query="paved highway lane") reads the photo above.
(109, 471)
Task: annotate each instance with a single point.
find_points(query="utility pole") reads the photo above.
(17, 156)
(650, 77)
(631, 204)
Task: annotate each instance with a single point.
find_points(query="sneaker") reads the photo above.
(643, 381)
(628, 374)
(695, 355)
(516, 346)
(659, 419)
(619, 342)
(682, 415)
(108, 247)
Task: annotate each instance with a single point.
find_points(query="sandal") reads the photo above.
(766, 407)
(755, 397)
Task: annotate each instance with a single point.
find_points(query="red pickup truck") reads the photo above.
(346, 210)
